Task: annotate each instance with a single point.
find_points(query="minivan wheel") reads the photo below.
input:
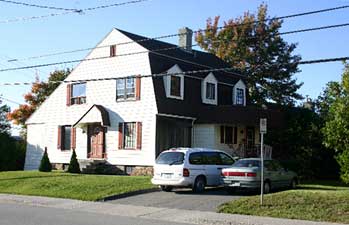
(199, 185)
(166, 188)
(267, 187)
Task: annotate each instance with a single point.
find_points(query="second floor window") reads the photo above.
(240, 96)
(125, 89)
(175, 88)
(210, 91)
(78, 94)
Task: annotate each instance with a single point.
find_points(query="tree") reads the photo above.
(336, 129)
(252, 44)
(40, 90)
(74, 164)
(45, 164)
(4, 123)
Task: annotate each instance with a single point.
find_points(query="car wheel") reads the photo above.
(199, 185)
(293, 184)
(230, 190)
(166, 188)
(267, 187)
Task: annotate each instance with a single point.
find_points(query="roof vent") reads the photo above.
(185, 39)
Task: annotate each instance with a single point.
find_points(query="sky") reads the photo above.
(152, 18)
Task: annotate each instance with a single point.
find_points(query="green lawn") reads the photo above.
(65, 185)
(320, 201)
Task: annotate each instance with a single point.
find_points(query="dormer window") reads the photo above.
(112, 50)
(240, 96)
(239, 93)
(209, 90)
(174, 84)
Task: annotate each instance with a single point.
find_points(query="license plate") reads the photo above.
(167, 175)
(237, 184)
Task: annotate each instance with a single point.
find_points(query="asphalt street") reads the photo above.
(180, 199)
(15, 214)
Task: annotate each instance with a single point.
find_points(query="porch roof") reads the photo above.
(95, 114)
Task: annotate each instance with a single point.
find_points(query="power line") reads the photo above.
(157, 50)
(79, 11)
(197, 31)
(9, 100)
(38, 6)
(185, 73)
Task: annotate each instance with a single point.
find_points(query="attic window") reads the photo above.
(175, 86)
(112, 50)
(210, 91)
(240, 96)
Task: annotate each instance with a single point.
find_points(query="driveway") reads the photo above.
(180, 199)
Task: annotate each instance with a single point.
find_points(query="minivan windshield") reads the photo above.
(170, 158)
(247, 163)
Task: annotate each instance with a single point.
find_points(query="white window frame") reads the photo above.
(125, 98)
(167, 82)
(239, 85)
(210, 78)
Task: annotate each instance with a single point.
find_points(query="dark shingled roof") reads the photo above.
(191, 105)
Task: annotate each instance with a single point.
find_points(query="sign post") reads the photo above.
(263, 130)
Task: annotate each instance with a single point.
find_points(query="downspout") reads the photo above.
(192, 132)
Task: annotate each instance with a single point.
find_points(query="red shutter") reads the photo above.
(139, 135)
(68, 94)
(138, 88)
(121, 144)
(73, 138)
(112, 50)
(59, 141)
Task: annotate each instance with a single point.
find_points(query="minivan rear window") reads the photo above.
(247, 163)
(170, 158)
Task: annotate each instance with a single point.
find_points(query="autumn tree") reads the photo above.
(252, 44)
(336, 129)
(4, 123)
(40, 90)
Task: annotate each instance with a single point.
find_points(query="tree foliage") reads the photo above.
(4, 123)
(45, 164)
(40, 91)
(336, 111)
(74, 164)
(252, 43)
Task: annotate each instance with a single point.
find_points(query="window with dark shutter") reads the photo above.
(112, 50)
(130, 135)
(228, 135)
(127, 89)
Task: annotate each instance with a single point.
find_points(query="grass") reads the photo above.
(65, 185)
(320, 201)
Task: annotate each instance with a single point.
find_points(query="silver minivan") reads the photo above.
(190, 167)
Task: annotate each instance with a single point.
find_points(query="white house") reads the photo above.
(128, 122)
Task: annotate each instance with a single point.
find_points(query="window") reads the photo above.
(210, 91)
(125, 89)
(66, 137)
(130, 135)
(239, 96)
(228, 135)
(175, 86)
(212, 158)
(225, 159)
(170, 158)
(112, 50)
(196, 158)
(78, 94)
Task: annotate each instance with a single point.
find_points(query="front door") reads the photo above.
(96, 141)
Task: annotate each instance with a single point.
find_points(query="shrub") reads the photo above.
(45, 165)
(74, 164)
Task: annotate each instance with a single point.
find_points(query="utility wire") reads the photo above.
(185, 73)
(79, 11)
(155, 50)
(38, 6)
(9, 100)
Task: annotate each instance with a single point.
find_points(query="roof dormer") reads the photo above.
(209, 93)
(239, 93)
(174, 83)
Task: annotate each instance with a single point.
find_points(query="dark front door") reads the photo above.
(250, 137)
(96, 141)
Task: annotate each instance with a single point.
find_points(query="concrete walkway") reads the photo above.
(154, 213)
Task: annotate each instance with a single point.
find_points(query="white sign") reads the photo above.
(263, 125)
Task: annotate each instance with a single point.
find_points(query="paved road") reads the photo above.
(180, 199)
(15, 214)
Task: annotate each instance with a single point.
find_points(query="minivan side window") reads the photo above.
(212, 158)
(225, 159)
(196, 158)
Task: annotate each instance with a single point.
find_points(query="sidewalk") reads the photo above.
(162, 214)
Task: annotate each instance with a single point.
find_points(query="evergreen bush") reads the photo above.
(74, 164)
(45, 165)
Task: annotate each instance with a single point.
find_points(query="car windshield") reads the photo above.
(170, 158)
(247, 163)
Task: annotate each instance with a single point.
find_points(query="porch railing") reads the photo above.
(245, 151)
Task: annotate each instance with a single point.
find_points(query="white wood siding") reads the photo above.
(54, 111)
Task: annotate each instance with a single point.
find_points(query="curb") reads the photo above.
(128, 194)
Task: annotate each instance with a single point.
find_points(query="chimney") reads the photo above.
(185, 39)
